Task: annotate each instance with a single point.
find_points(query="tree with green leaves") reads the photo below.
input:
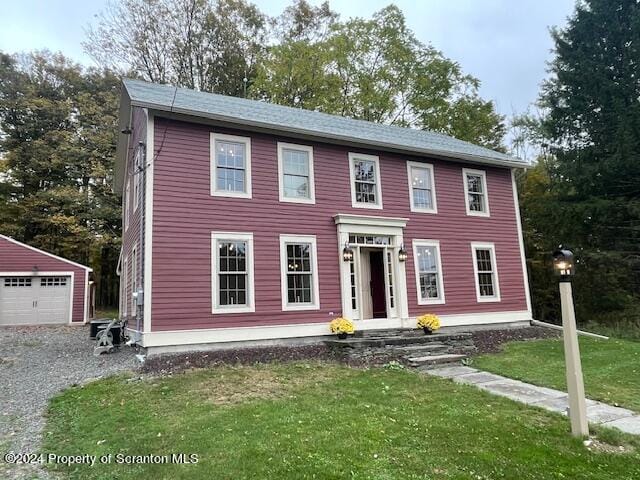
(57, 143)
(372, 69)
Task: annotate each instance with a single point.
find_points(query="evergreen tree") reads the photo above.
(593, 168)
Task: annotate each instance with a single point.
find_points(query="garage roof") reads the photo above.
(9, 239)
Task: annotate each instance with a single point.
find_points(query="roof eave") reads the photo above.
(343, 138)
(124, 117)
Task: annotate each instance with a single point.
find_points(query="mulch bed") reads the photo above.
(491, 341)
(487, 341)
(173, 363)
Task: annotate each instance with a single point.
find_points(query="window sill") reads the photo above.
(431, 211)
(298, 308)
(217, 193)
(304, 201)
(368, 206)
(228, 310)
(439, 301)
(478, 214)
(488, 299)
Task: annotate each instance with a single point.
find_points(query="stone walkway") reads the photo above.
(554, 400)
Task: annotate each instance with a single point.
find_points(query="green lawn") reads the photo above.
(323, 421)
(611, 368)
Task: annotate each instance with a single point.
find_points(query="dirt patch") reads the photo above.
(595, 445)
(491, 341)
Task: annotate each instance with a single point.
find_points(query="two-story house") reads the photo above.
(244, 221)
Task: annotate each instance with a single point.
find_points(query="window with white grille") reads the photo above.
(53, 281)
(299, 272)
(422, 194)
(475, 191)
(295, 165)
(486, 272)
(366, 191)
(17, 282)
(230, 166)
(232, 262)
(428, 267)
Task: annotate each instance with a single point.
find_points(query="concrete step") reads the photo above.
(434, 359)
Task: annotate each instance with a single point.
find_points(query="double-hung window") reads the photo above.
(475, 192)
(486, 272)
(422, 192)
(299, 272)
(230, 166)
(232, 265)
(295, 169)
(366, 191)
(428, 266)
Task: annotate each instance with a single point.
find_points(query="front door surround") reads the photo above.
(354, 230)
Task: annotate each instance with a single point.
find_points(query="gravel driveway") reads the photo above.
(35, 364)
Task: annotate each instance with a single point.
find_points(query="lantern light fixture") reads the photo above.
(402, 254)
(347, 253)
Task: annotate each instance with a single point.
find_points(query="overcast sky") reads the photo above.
(504, 43)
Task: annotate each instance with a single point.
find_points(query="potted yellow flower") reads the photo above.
(429, 322)
(342, 327)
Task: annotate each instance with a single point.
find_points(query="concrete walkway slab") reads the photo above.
(448, 372)
(547, 398)
(626, 424)
(520, 391)
(478, 377)
(601, 413)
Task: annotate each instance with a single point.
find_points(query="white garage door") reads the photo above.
(34, 300)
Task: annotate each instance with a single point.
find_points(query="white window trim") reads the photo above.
(315, 304)
(494, 265)
(429, 167)
(251, 304)
(352, 178)
(247, 165)
(312, 190)
(428, 243)
(483, 174)
(127, 190)
(134, 276)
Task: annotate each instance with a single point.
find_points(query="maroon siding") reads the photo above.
(18, 258)
(185, 214)
(131, 236)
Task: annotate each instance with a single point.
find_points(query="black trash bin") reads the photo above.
(94, 326)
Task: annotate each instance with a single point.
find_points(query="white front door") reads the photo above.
(32, 300)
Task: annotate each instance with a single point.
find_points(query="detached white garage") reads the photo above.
(39, 288)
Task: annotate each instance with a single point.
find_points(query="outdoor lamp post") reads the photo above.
(564, 267)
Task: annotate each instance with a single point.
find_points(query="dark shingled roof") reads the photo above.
(297, 121)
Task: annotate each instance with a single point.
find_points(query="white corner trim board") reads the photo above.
(525, 274)
(222, 335)
(148, 225)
